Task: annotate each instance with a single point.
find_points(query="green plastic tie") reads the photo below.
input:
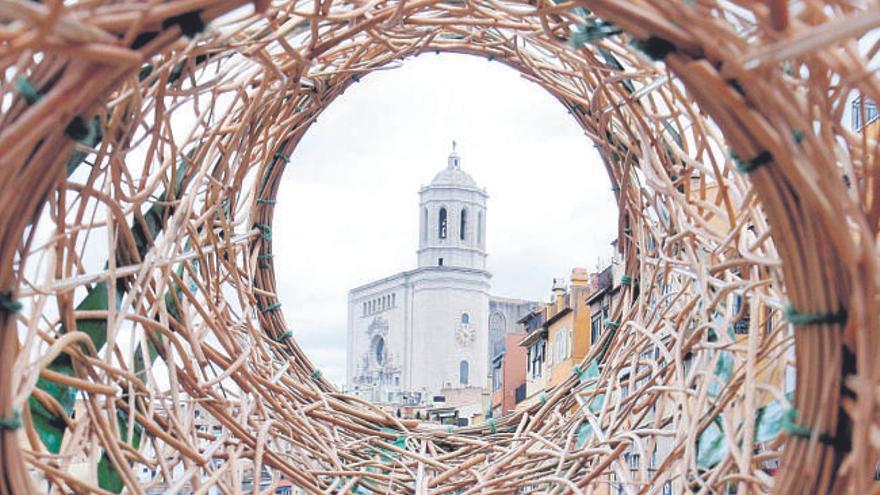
(543, 397)
(286, 335)
(792, 427)
(264, 266)
(626, 280)
(627, 230)
(316, 374)
(795, 317)
(190, 23)
(271, 307)
(612, 324)
(30, 94)
(655, 47)
(11, 423)
(491, 422)
(594, 30)
(264, 201)
(77, 129)
(798, 136)
(747, 167)
(790, 424)
(265, 256)
(581, 374)
(450, 429)
(266, 231)
(8, 303)
(282, 157)
(615, 188)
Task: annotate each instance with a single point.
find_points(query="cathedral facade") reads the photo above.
(424, 334)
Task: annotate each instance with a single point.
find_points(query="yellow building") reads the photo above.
(567, 324)
(557, 336)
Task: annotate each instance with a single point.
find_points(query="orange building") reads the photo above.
(509, 376)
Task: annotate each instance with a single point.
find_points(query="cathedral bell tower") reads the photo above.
(452, 213)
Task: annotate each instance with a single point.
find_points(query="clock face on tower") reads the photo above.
(464, 334)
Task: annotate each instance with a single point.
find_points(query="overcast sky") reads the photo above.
(347, 209)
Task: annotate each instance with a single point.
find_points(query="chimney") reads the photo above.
(558, 294)
(580, 277)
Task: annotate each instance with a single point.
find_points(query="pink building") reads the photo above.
(509, 375)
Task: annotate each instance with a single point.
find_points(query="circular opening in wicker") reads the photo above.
(144, 348)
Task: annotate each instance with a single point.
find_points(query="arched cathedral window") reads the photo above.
(465, 318)
(463, 226)
(479, 227)
(379, 351)
(441, 227)
(497, 324)
(463, 372)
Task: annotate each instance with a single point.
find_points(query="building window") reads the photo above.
(465, 318)
(536, 359)
(439, 261)
(561, 346)
(497, 377)
(393, 299)
(463, 372)
(634, 464)
(870, 113)
(595, 329)
(463, 226)
(441, 227)
(424, 224)
(479, 227)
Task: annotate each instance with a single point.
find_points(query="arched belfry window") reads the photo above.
(424, 224)
(465, 318)
(441, 224)
(463, 227)
(463, 372)
(479, 227)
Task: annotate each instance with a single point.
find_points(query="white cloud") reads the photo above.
(347, 209)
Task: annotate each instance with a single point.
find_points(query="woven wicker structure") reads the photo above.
(142, 144)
